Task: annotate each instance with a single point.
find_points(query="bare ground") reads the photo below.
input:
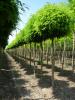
(17, 81)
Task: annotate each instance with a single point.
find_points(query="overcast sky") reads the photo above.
(33, 6)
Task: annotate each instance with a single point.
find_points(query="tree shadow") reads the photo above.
(39, 71)
(69, 74)
(56, 68)
(65, 73)
(24, 93)
(72, 77)
(11, 87)
(49, 66)
(25, 66)
(16, 74)
(29, 69)
(62, 91)
(44, 81)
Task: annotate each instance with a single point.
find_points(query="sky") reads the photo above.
(33, 6)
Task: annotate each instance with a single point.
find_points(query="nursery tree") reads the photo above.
(35, 37)
(53, 21)
(72, 6)
(32, 36)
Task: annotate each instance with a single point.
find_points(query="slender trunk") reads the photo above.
(25, 52)
(54, 46)
(63, 55)
(34, 50)
(44, 50)
(30, 54)
(41, 55)
(47, 54)
(73, 53)
(15, 52)
(34, 57)
(19, 51)
(53, 63)
(59, 57)
(50, 52)
(59, 53)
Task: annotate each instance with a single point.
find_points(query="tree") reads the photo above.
(9, 16)
(30, 35)
(72, 6)
(53, 21)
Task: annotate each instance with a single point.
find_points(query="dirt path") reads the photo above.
(8, 90)
(23, 85)
(40, 85)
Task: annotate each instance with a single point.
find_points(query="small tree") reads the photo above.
(33, 36)
(53, 21)
(72, 6)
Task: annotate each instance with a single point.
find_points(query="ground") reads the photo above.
(18, 82)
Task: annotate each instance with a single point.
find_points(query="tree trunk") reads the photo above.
(44, 50)
(53, 63)
(63, 55)
(47, 54)
(25, 52)
(73, 53)
(23, 48)
(59, 53)
(30, 54)
(41, 55)
(34, 57)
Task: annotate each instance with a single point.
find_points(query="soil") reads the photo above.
(18, 81)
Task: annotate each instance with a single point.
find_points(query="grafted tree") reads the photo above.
(53, 21)
(72, 6)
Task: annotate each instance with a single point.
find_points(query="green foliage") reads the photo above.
(68, 42)
(32, 35)
(53, 21)
(9, 16)
(72, 7)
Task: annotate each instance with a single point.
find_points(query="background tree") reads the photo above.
(9, 17)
